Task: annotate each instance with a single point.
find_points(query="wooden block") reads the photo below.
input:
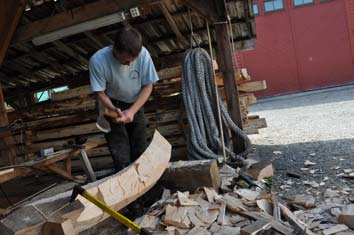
(61, 227)
(189, 175)
(347, 216)
(260, 170)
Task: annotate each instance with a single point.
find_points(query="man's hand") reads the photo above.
(127, 116)
(118, 111)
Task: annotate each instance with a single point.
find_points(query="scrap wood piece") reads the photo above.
(335, 229)
(193, 218)
(58, 227)
(254, 227)
(185, 201)
(199, 231)
(224, 230)
(306, 201)
(139, 177)
(221, 216)
(347, 216)
(207, 216)
(299, 226)
(233, 203)
(149, 222)
(248, 194)
(177, 216)
(210, 193)
(265, 206)
(260, 170)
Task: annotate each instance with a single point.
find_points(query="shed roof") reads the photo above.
(165, 25)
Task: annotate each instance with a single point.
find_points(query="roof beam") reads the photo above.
(10, 14)
(75, 16)
(206, 8)
(173, 24)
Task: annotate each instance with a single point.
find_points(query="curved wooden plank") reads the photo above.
(117, 191)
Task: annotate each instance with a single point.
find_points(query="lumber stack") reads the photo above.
(71, 113)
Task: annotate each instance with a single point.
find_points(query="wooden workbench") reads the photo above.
(48, 163)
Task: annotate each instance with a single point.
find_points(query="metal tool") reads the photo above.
(250, 183)
(121, 218)
(101, 123)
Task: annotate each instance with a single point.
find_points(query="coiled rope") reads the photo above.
(200, 99)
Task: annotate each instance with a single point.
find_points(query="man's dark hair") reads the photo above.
(129, 40)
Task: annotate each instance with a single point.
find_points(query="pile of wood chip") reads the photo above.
(243, 211)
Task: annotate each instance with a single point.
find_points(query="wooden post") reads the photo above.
(224, 59)
(6, 156)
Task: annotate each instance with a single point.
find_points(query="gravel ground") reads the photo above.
(314, 126)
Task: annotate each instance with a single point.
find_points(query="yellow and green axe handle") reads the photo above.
(121, 218)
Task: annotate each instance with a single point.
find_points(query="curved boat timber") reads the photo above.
(117, 191)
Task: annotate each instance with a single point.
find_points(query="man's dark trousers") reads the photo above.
(127, 141)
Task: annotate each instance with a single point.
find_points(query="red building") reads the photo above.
(301, 45)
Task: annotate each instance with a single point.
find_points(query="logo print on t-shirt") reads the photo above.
(134, 74)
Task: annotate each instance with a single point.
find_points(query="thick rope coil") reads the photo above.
(198, 86)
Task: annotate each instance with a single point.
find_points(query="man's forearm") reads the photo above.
(105, 100)
(142, 98)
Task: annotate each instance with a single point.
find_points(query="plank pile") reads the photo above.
(233, 210)
(71, 113)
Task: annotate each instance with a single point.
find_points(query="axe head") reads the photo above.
(76, 191)
(102, 124)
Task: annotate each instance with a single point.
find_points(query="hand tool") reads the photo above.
(250, 183)
(121, 218)
(102, 123)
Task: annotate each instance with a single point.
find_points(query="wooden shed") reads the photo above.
(45, 48)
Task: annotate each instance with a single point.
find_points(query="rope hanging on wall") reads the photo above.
(201, 103)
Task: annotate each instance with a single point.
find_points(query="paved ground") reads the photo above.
(318, 127)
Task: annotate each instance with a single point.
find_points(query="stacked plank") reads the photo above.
(72, 113)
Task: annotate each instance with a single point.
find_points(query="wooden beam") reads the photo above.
(75, 16)
(224, 59)
(7, 156)
(173, 24)
(4, 121)
(206, 8)
(10, 14)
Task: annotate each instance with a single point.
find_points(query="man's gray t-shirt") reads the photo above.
(121, 82)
